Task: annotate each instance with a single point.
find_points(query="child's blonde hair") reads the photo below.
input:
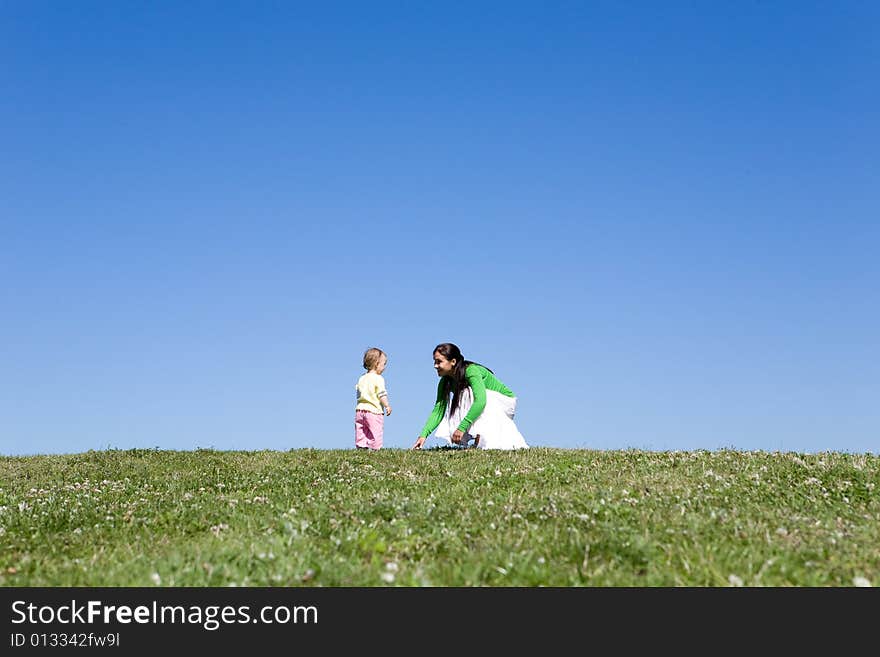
(372, 357)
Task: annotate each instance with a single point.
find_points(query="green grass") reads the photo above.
(541, 517)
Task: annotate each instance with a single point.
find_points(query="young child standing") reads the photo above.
(372, 402)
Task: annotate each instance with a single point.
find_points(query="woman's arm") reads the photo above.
(434, 418)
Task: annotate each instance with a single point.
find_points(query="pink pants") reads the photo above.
(368, 428)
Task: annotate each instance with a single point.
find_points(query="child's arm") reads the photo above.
(383, 399)
(382, 393)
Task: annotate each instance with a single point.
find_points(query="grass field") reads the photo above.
(541, 517)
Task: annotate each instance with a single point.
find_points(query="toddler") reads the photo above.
(372, 402)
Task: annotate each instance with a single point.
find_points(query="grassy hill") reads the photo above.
(542, 517)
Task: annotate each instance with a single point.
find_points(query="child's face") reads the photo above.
(383, 362)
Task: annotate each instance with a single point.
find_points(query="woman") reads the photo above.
(471, 403)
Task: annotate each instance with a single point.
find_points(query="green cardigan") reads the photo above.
(480, 380)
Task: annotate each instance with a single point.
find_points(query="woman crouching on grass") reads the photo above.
(472, 404)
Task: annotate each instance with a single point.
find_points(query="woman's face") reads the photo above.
(444, 367)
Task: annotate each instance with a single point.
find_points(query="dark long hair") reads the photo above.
(458, 380)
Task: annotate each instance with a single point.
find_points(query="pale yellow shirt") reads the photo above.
(371, 392)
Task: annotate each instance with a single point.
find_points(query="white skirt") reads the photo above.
(494, 426)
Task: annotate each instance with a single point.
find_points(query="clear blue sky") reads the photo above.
(659, 223)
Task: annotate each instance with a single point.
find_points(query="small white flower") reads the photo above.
(735, 580)
(391, 567)
(861, 581)
(157, 580)
(388, 577)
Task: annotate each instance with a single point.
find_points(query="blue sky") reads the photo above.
(658, 223)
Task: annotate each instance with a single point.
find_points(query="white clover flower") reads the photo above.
(157, 579)
(216, 529)
(388, 577)
(391, 567)
(735, 580)
(861, 581)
